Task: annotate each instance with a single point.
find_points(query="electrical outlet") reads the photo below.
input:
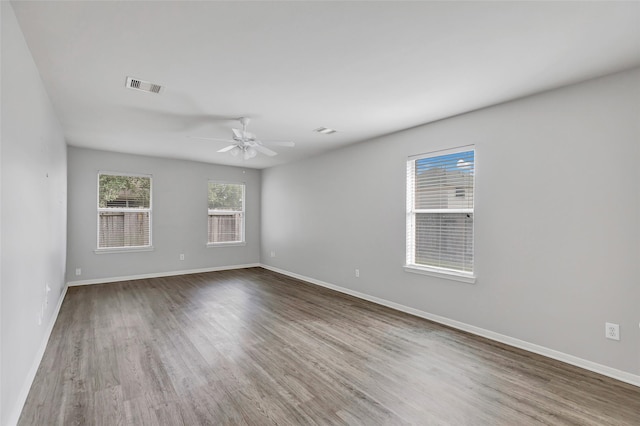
(78, 271)
(181, 256)
(273, 254)
(612, 331)
(357, 273)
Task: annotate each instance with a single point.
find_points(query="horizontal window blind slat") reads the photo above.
(123, 229)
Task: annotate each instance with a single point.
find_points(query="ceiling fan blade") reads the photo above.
(227, 148)
(279, 143)
(264, 150)
(211, 139)
(237, 133)
(172, 121)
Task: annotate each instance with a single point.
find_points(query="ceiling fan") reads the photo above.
(246, 143)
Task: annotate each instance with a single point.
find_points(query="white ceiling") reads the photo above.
(364, 68)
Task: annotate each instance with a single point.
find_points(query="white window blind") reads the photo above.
(440, 208)
(124, 211)
(226, 213)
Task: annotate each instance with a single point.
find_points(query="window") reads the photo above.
(440, 190)
(124, 211)
(226, 213)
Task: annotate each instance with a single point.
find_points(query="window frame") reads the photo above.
(243, 215)
(411, 212)
(149, 247)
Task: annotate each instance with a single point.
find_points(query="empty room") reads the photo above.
(320, 212)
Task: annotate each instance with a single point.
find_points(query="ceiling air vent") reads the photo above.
(325, 130)
(145, 86)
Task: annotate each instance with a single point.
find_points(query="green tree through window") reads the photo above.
(124, 191)
(224, 196)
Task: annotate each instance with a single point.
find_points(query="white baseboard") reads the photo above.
(160, 274)
(623, 376)
(26, 387)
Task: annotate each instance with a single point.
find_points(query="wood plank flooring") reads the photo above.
(255, 347)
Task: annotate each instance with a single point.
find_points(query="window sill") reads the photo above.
(440, 273)
(229, 244)
(122, 250)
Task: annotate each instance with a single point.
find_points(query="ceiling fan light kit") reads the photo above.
(249, 152)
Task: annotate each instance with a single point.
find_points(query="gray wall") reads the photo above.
(179, 218)
(33, 227)
(556, 222)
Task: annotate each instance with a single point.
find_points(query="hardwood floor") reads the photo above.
(255, 347)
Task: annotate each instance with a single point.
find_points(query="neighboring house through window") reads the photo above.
(124, 211)
(440, 213)
(226, 213)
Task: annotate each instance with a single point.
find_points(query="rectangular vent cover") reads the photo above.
(325, 130)
(145, 86)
